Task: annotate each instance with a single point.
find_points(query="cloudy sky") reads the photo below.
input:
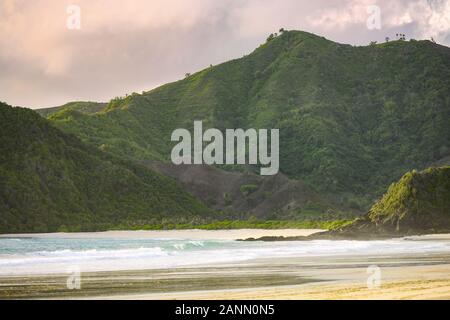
(48, 56)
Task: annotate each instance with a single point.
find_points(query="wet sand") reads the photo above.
(402, 277)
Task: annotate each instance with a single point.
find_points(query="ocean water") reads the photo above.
(26, 256)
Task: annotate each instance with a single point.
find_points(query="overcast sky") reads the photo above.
(136, 45)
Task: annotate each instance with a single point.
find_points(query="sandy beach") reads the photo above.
(406, 275)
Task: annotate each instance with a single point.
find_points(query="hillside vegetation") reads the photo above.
(51, 181)
(351, 119)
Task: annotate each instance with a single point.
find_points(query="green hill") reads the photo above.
(51, 181)
(351, 119)
(420, 200)
(418, 203)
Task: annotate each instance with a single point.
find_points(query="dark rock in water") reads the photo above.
(270, 238)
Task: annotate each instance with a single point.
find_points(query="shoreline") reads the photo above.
(194, 234)
(245, 235)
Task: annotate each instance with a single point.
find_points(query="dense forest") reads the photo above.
(50, 181)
